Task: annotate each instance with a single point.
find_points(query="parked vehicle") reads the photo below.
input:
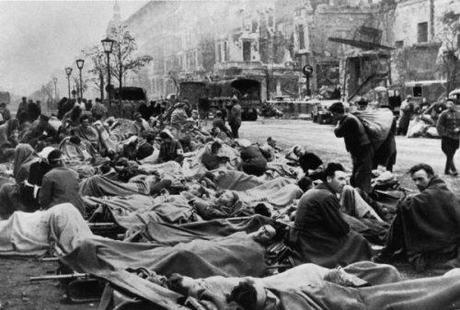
(432, 90)
(217, 94)
(455, 94)
(125, 102)
(320, 113)
(5, 97)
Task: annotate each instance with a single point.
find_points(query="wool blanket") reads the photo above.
(234, 255)
(34, 234)
(167, 234)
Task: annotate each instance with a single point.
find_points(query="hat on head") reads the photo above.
(166, 133)
(54, 156)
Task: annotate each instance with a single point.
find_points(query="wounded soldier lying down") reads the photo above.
(219, 292)
(33, 234)
(226, 204)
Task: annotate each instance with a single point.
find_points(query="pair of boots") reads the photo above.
(450, 170)
(450, 166)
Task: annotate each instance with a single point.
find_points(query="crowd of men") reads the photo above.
(327, 218)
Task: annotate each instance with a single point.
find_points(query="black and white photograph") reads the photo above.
(229, 154)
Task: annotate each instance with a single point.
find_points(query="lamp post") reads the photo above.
(68, 71)
(55, 88)
(80, 63)
(107, 45)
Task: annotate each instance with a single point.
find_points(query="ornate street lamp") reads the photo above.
(68, 71)
(107, 45)
(80, 63)
(55, 88)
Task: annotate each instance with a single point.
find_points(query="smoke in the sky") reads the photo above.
(38, 39)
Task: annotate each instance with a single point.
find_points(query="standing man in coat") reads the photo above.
(234, 118)
(357, 143)
(449, 130)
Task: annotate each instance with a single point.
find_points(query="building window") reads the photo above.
(254, 26)
(422, 32)
(417, 91)
(301, 35)
(246, 50)
(219, 55)
(399, 44)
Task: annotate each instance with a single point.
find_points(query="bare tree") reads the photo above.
(98, 69)
(449, 51)
(125, 61)
(76, 81)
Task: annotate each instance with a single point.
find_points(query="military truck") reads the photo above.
(125, 102)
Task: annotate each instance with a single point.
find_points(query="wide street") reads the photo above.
(320, 139)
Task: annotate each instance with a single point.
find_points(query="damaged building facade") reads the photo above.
(271, 41)
(418, 64)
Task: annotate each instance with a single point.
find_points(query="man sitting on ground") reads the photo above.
(170, 148)
(253, 162)
(211, 158)
(60, 185)
(427, 225)
(311, 164)
(320, 234)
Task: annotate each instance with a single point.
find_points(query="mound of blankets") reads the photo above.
(183, 222)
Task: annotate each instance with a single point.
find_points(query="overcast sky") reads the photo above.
(38, 39)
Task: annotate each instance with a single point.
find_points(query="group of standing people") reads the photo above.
(233, 114)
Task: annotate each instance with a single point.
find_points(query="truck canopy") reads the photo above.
(130, 93)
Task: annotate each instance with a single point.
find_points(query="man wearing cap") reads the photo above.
(234, 118)
(407, 109)
(357, 143)
(448, 127)
(60, 185)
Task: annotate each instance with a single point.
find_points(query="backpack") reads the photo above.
(377, 124)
